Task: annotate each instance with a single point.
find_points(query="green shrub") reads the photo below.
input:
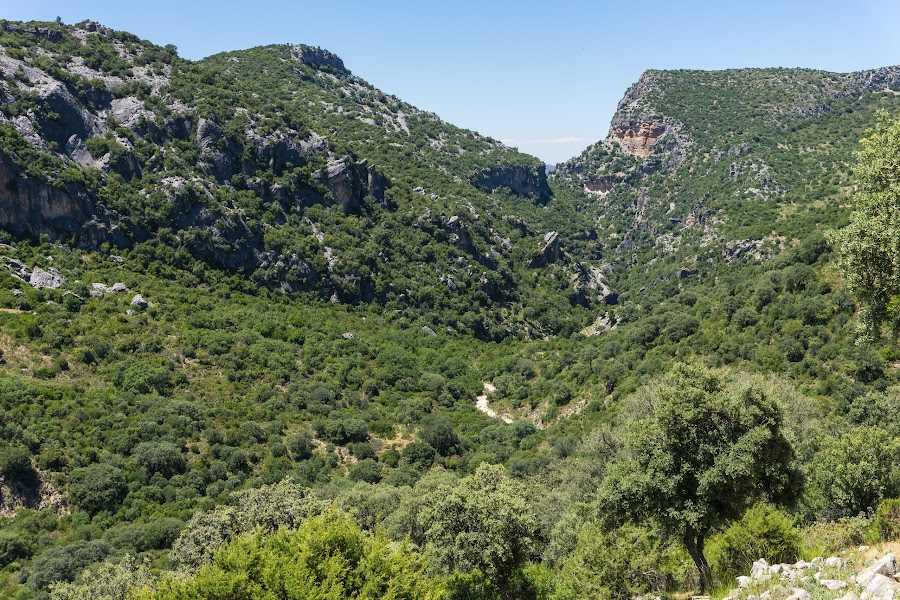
(97, 487)
(159, 457)
(15, 464)
(763, 532)
(301, 445)
(887, 519)
(12, 548)
(63, 563)
(830, 537)
(621, 564)
(366, 470)
(327, 557)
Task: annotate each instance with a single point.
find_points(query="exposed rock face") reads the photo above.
(598, 187)
(54, 35)
(349, 182)
(590, 286)
(318, 58)
(638, 137)
(523, 181)
(30, 207)
(550, 252)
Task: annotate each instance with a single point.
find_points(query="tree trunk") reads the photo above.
(694, 543)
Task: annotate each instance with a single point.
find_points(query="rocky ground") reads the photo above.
(855, 576)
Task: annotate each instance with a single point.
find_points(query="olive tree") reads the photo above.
(698, 453)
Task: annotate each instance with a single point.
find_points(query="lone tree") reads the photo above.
(700, 452)
(868, 248)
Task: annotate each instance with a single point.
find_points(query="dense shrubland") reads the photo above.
(229, 440)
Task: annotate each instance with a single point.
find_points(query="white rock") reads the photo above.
(849, 596)
(864, 577)
(834, 562)
(862, 548)
(743, 581)
(799, 594)
(886, 565)
(833, 584)
(760, 569)
(881, 586)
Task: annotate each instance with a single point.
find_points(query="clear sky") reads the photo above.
(542, 76)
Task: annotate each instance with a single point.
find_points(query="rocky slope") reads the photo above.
(275, 162)
(702, 168)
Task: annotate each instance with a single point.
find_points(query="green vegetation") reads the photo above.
(293, 411)
(698, 456)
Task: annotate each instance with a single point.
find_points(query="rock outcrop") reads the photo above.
(30, 207)
(319, 58)
(523, 181)
(638, 137)
(349, 181)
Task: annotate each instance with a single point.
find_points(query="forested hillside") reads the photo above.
(268, 331)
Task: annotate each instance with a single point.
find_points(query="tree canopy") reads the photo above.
(869, 247)
(701, 451)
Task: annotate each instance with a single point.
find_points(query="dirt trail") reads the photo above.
(481, 403)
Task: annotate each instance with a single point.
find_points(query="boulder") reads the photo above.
(799, 594)
(760, 569)
(139, 301)
(834, 562)
(886, 565)
(881, 587)
(833, 584)
(50, 278)
(119, 287)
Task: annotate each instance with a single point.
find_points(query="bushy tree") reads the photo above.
(483, 523)
(15, 464)
(164, 458)
(326, 557)
(851, 474)
(269, 507)
(107, 581)
(868, 248)
(699, 451)
(97, 487)
(63, 563)
(618, 564)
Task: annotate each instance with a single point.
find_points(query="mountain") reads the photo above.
(277, 163)
(707, 166)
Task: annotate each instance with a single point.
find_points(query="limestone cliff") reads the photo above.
(521, 180)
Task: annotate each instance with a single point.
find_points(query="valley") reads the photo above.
(265, 326)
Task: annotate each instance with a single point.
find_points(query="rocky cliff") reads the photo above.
(521, 180)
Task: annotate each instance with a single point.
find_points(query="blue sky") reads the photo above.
(544, 77)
